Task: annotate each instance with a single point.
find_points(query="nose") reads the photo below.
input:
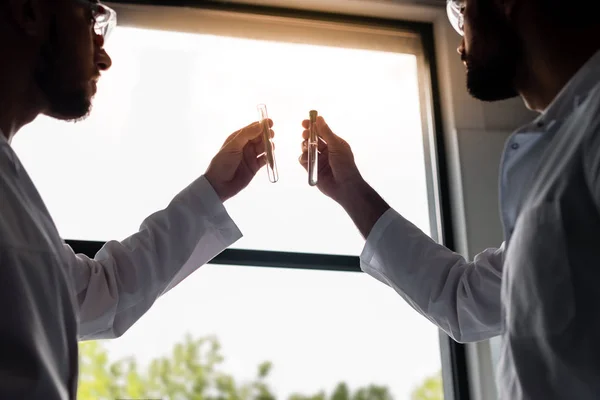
(102, 59)
(461, 49)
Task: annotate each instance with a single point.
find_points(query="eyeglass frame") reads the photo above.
(105, 18)
(455, 10)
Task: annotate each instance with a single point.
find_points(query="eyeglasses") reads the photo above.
(455, 10)
(104, 18)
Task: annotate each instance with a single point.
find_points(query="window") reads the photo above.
(317, 328)
(182, 80)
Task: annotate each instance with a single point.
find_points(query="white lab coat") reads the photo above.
(538, 290)
(52, 297)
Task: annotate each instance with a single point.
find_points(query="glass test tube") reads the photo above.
(269, 153)
(313, 145)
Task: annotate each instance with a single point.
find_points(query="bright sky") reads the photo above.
(161, 114)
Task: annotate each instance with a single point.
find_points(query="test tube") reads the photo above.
(313, 145)
(271, 164)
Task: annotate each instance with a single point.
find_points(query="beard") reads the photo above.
(492, 68)
(492, 81)
(64, 99)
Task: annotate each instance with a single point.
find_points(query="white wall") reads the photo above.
(475, 133)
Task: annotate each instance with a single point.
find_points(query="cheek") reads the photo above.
(78, 46)
(81, 58)
(466, 45)
(476, 44)
(467, 42)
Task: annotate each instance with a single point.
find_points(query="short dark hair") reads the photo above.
(574, 13)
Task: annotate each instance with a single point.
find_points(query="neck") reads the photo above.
(20, 102)
(551, 62)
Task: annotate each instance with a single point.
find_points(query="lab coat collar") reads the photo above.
(8, 152)
(573, 93)
(3, 139)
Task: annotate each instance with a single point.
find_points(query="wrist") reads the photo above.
(363, 204)
(213, 184)
(351, 193)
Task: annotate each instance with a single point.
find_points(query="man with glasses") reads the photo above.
(52, 56)
(539, 289)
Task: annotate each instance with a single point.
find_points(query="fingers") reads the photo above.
(323, 160)
(259, 138)
(259, 148)
(303, 159)
(322, 149)
(323, 130)
(261, 162)
(249, 133)
(322, 145)
(250, 159)
(255, 156)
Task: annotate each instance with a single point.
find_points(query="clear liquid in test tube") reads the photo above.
(268, 141)
(313, 146)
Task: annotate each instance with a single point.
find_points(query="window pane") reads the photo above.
(171, 99)
(317, 328)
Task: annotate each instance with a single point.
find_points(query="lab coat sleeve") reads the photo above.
(117, 286)
(460, 297)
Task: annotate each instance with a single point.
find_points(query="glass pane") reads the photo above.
(316, 328)
(171, 99)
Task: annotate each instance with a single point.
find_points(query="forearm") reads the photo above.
(460, 297)
(124, 279)
(364, 206)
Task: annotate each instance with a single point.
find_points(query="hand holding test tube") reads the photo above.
(313, 145)
(269, 153)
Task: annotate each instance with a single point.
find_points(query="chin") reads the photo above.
(71, 115)
(490, 86)
(490, 95)
(71, 108)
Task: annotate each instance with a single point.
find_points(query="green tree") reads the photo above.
(431, 389)
(192, 371)
(341, 392)
(372, 392)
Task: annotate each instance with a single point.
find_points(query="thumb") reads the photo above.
(325, 132)
(335, 143)
(249, 133)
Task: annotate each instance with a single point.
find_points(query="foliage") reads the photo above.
(191, 372)
(430, 389)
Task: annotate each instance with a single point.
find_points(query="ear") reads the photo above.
(29, 16)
